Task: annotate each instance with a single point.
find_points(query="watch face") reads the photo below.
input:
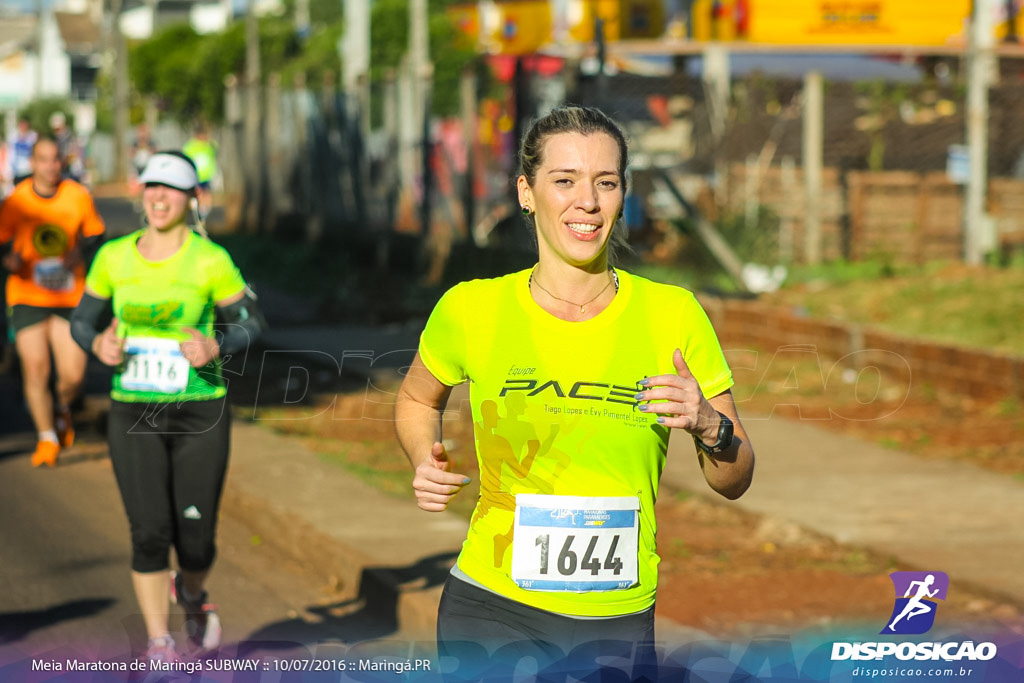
(725, 432)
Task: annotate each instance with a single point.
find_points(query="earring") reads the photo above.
(526, 210)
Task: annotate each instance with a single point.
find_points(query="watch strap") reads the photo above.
(725, 436)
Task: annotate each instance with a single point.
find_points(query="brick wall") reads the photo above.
(971, 372)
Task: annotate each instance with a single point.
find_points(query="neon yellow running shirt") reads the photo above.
(554, 414)
(153, 302)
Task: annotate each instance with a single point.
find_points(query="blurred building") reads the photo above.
(59, 52)
(141, 19)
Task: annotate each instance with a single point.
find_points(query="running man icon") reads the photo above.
(918, 600)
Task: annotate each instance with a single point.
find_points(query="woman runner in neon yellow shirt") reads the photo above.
(579, 372)
(161, 289)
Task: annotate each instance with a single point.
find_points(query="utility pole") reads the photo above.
(355, 81)
(121, 96)
(355, 52)
(1011, 22)
(116, 51)
(39, 48)
(302, 17)
(981, 68)
(253, 194)
(467, 107)
(813, 145)
(716, 76)
(421, 71)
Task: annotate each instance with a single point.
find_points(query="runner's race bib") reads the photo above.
(50, 273)
(154, 364)
(574, 543)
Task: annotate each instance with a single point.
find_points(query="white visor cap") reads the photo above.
(170, 170)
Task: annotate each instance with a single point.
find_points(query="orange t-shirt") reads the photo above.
(43, 230)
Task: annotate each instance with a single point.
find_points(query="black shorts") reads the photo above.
(483, 635)
(20, 316)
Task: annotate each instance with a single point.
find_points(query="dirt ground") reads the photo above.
(723, 570)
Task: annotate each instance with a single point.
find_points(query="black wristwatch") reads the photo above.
(724, 438)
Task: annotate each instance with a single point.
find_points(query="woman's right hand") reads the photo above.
(108, 347)
(435, 486)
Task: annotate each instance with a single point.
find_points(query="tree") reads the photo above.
(389, 41)
(185, 71)
(39, 111)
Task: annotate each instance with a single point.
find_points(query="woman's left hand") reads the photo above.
(681, 404)
(199, 349)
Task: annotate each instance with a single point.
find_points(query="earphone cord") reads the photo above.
(200, 225)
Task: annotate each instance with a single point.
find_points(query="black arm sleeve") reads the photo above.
(91, 316)
(240, 323)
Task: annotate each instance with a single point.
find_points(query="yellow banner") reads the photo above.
(861, 22)
(517, 27)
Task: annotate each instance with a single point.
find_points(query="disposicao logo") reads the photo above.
(914, 612)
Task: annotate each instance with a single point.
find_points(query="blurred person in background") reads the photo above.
(49, 226)
(142, 149)
(579, 373)
(203, 153)
(67, 146)
(150, 304)
(19, 151)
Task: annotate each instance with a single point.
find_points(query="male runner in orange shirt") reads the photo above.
(49, 221)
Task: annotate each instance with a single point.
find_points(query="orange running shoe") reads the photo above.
(65, 429)
(46, 454)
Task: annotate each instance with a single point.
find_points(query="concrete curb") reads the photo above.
(304, 507)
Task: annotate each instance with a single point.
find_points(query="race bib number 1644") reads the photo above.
(575, 543)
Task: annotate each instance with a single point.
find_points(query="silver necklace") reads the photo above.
(583, 307)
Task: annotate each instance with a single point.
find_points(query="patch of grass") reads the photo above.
(927, 391)
(857, 560)
(347, 430)
(842, 271)
(949, 303)
(670, 275)
(1008, 407)
(679, 549)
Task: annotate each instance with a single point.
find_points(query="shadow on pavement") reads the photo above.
(16, 625)
(371, 615)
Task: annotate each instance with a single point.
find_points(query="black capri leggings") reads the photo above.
(170, 460)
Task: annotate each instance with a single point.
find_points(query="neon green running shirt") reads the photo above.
(554, 414)
(153, 301)
(203, 154)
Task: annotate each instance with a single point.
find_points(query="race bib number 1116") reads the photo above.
(575, 543)
(154, 365)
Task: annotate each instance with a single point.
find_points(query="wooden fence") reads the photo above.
(902, 216)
